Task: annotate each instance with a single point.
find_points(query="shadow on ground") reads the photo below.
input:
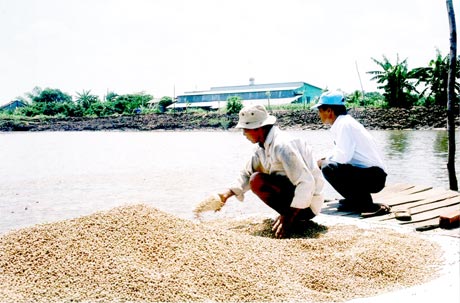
(308, 229)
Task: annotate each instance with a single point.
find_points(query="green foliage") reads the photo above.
(28, 111)
(86, 99)
(398, 83)
(98, 109)
(395, 81)
(67, 109)
(126, 104)
(50, 96)
(49, 102)
(357, 99)
(164, 102)
(434, 79)
(290, 106)
(223, 122)
(196, 110)
(234, 105)
(110, 96)
(52, 102)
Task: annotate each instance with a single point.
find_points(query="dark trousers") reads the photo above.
(354, 183)
(277, 192)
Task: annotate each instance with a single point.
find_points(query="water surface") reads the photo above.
(49, 176)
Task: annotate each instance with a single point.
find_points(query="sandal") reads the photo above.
(382, 210)
(403, 215)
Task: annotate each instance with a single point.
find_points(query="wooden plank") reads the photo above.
(427, 196)
(399, 200)
(415, 189)
(428, 215)
(391, 189)
(426, 205)
(419, 208)
(408, 203)
(421, 205)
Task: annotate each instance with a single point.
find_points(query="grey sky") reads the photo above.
(158, 45)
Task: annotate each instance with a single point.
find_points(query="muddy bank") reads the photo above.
(372, 118)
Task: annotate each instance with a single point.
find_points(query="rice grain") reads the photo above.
(210, 203)
(139, 254)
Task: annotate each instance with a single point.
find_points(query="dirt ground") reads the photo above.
(372, 118)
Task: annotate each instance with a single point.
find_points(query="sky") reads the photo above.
(168, 47)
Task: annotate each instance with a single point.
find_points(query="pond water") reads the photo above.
(49, 176)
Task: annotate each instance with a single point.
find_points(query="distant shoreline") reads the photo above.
(416, 118)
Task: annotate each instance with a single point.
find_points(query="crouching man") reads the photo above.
(355, 167)
(281, 172)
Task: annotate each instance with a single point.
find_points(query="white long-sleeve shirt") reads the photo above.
(290, 157)
(354, 144)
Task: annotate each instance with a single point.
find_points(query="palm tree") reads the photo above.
(394, 80)
(434, 78)
(85, 98)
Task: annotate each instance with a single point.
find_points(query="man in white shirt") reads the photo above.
(354, 168)
(281, 172)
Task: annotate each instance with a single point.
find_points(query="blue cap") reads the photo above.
(330, 98)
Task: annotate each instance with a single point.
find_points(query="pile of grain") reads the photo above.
(139, 254)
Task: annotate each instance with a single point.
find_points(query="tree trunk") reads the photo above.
(451, 98)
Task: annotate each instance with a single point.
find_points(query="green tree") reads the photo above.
(394, 80)
(126, 104)
(434, 79)
(356, 98)
(85, 99)
(110, 96)
(164, 102)
(234, 105)
(369, 99)
(49, 102)
(50, 95)
(99, 109)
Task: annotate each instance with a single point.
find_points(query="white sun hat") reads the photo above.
(254, 117)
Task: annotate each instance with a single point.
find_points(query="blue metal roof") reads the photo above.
(250, 88)
(223, 104)
(273, 93)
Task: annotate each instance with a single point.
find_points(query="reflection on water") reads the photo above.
(418, 157)
(441, 143)
(397, 142)
(50, 176)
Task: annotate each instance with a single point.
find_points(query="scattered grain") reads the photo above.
(211, 203)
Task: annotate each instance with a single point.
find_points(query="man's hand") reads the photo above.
(320, 162)
(283, 223)
(225, 195)
(279, 227)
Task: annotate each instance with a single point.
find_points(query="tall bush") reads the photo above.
(234, 105)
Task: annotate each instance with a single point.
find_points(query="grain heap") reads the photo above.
(139, 254)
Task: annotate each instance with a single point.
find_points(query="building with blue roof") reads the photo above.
(251, 94)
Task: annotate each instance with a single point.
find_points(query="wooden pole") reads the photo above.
(453, 184)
